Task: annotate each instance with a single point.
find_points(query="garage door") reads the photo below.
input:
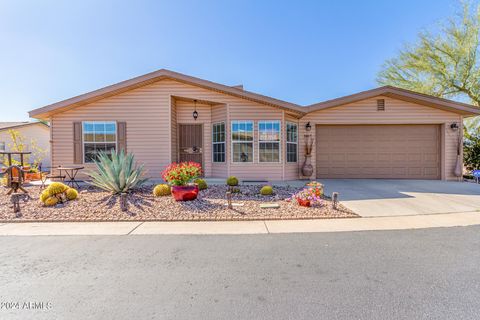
(378, 151)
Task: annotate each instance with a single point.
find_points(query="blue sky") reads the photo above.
(300, 51)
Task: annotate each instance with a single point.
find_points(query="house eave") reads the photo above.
(127, 85)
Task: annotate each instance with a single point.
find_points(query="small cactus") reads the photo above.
(232, 181)
(56, 188)
(202, 184)
(51, 201)
(44, 195)
(266, 191)
(71, 194)
(161, 190)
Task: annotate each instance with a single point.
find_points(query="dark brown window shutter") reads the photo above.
(122, 136)
(77, 143)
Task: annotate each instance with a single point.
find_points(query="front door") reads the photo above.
(190, 143)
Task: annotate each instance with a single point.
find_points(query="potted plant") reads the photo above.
(308, 196)
(180, 177)
(33, 174)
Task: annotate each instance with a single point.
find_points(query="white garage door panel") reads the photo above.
(378, 151)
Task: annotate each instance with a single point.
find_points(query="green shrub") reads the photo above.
(232, 181)
(117, 172)
(471, 150)
(266, 191)
(202, 184)
(161, 190)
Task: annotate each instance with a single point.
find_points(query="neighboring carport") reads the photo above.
(380, 197)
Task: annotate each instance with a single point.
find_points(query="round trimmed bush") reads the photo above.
(202, 184)
(71, 194)
(161, 190)
(266, 191)
(232, 181)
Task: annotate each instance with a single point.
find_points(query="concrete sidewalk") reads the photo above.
(241, 227)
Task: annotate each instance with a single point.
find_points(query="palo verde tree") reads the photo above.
(445, 63)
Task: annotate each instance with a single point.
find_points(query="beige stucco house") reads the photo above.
(35, 135)
(166, 116)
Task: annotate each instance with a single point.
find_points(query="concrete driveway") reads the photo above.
(374, 198)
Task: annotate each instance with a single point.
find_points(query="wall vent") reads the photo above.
(381, 105)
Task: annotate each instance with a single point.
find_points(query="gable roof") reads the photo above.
(400, 94)
(237, 91)
(155, 76)
(12, 125)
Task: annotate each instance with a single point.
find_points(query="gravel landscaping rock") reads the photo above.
(96, 205)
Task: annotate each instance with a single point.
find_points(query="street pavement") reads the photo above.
(404, 274)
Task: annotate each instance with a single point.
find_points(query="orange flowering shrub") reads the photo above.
(179, 174)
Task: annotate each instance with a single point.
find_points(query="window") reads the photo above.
(2, 145)
(242, 141)
(98, 136)
(218, 141)
(292, 142)
(269, 141)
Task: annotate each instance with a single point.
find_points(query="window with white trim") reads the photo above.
(218, 142)
(269, 141)
(2, 146)
(292, 142)
(98, 136)
(242, 141)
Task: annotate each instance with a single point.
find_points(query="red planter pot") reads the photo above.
(303, 203)
(185, 193)
(33, 176)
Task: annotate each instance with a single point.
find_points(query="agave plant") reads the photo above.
(117, 172)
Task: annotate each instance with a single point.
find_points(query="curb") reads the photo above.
(128, 228)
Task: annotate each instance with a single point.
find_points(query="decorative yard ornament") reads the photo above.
(15, 199)
(195, 113)
(334, 200)
(229, 200)
(123, 202)
(307, 168)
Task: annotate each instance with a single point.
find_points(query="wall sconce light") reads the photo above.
(454, 126)
(195, 113)
(308, 126)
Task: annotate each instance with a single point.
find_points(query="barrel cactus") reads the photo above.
(57, 192)
(266, 191)
(232, 181)
(44, 195)
(71, 194)
(51, 201)
(56, 188)
(202, 184)
(161, 190)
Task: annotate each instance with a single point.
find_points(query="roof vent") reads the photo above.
(381, 105)
(238, 86)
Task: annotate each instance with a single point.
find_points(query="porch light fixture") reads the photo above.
(308, 126)
(195, 113)
(454, 126)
